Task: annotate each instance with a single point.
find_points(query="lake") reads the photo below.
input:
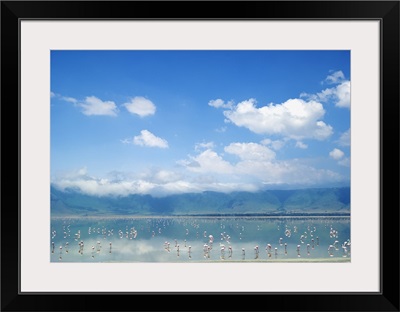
(199, 239)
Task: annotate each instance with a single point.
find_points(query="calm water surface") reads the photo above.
(195, 239)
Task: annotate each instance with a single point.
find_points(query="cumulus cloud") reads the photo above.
(292, 172)
(344, 139)
(160, 176)
(255, 168)
(69, 99)
(295, 118)
(335, 77)
(218, 103)
(274, 144)
(340, 95)
(104, 187)
(301, 145)
(126, 141)
(257, 165)
(207, 161)
(336, 154)
(154, 182)
(250, 151)
(92, 106)
(344, 162)
(146, 138)
(343, 94)
(140, 106)
(203, 145)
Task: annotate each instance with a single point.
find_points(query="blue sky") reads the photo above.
(161, 122)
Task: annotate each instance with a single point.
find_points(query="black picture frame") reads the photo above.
(387, 299)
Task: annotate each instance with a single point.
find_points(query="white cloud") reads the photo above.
(207, 171)
(165, 176)
(140, 106)
(274, 144)
(336, 154)
(160, 176)
(146, 138)
(343, 94)
(344, 162)
(218, 103)
(204, 145)
(301, 145)
(126, 141)
(335, 77)
(91, 105)
(256, 166)
(221, 130)
(104, 187)
(69, 99)
(296, 119)
(83, 171)
(94, 106)
(291, 172)
(340, 95)
(250, 151)
(52, 94)
(344, 139)
(207, 161)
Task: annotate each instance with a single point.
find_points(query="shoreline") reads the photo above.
(203, 217)
(289, 260)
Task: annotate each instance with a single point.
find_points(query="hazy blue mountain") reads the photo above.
(270, 202)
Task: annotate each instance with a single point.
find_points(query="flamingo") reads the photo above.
(330, 250)
(222, 252)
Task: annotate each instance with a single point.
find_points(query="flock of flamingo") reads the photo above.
(105, 241)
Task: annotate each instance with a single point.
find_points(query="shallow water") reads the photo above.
(197, 239)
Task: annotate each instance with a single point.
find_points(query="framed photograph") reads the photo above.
(234, 155)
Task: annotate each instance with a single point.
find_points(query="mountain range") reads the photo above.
(311, 201)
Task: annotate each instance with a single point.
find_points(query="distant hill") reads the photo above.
(316, 201)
